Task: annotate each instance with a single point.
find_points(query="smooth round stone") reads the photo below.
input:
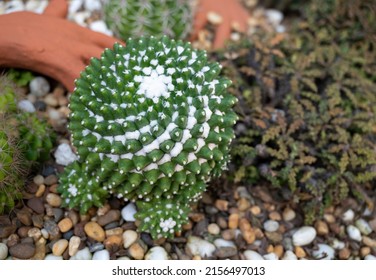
(53, 199)
(348, 216)
(39, 86)
(94, 231)
(51, 257)
(304, 236)
(128, 212)
(22, 251)
(96, 247)
(129, 237)
(136, 251)
(83, 254)
(252, 255)
(354, 233)
(26, 106)
(74, 244)
(289, 255)
(38, 180)
(224, 243)
(101, 255)
(363, 226)
(64, 154)
(338, 245)
(124, 258)
(65, 225)
(214, 229)
(288, 214)
(370, 258)
(59, 247)
(3, 251)
(324, 252)
(270, 257)
(156, 253)
(100, 26)
(93, 5)
(109, 217)
(271, 225)
(200, 247)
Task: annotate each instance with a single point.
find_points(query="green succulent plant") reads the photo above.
(152, 123)
(133, 18)
(24, 140)
(308, 106)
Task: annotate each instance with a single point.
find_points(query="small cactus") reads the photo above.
(135, 18)
(152, 123)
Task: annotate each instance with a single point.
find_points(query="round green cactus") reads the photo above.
(134, 18)
(152, 123)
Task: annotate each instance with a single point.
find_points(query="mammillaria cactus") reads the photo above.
(152, 123)
(134, 18)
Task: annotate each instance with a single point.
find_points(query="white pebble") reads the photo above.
(303, 236)
(26, 106)
(275, 17)
(201, 247)
(324, 252)
(93, 5)
(156, 253)
(101, 255)
(252, 255)
(3, 251)
(83, 254)
(64, 154)
(224, 243)
(270, 257)
(39, 86)
(80, 18)
(36, 6)
(338, 245)
(129, 237)
(74, 6)
(128, 212)
(51, 257)
(348, 216)
(124, 258)
(363, 226)
(14, 6)
(289, 255)
(370, 258)
(100, 26)
(271, 225)
(354, 233)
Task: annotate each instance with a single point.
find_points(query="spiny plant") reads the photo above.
(152, 123)
(24, 139)
(308, 106)
(134, 18)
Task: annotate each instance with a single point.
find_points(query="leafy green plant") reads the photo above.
(308, 106)
(133, 18)
(152, 123)
(20, 77)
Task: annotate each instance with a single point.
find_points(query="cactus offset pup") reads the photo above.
(152, 123)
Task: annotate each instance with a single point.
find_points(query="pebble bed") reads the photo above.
(229, 222)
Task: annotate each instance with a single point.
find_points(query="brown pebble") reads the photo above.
(6, 230)
(53, 199)
(24, 217)
(275, 216)
(12, 240)
(36, 204)
(243, 204)
(22, 251)
(329, 218)
(321, 227)
(65, 225)
(246, 230)
(255, 210)
(40, 249)
(73, 215)
(79, 229)
(214, 229)
(50, 180)
(196, 258)
(114, 231)
(136, 251)
(104, 209)
(74, 244)
(34, 233)
(372, 224)
(270, 249)
(259, 233)
(109, 217)
(196, 217)
(364, 251)
(38, 180)
(53, 188)
(233, 221)
(51, 100)
(299, 252)
(278, 250)
(344, 254)
(23, 231)
(59, 247)
(369, 242)
(228, 234)
(221, 204)
(187, 226)
(112, 242)
(94, 231)
(40, 191)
